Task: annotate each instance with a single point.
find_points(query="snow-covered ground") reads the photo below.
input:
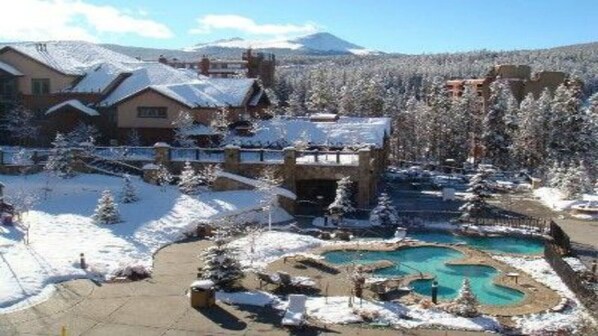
(568, 319)
(61, 228)
(554, 199)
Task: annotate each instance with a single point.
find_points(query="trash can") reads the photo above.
(202, 294)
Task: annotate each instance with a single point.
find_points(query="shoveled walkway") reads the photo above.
(157, 306)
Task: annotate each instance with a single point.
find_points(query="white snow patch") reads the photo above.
(540, 270)
(62, 228)
(255, 298)
(259, 251)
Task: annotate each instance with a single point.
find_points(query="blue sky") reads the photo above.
(422, 26)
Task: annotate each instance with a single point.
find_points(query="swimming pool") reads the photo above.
(501, 244)
(432, 260)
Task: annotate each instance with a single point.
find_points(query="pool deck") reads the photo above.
(537, 298)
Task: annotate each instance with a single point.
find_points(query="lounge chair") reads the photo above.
(294, 316)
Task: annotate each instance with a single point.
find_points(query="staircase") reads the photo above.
(111, 167)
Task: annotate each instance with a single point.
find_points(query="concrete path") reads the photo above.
(158, 306)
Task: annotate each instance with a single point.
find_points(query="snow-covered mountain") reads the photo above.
(313, 44)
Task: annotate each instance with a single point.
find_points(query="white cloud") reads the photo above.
(209, 23)
(71, 20)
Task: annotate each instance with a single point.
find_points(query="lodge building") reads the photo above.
(67, 82)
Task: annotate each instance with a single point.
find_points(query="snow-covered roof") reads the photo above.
(75, 104)
(98, 78)
(346, 131)
(182, 85)
(69, 57)
(10, 69)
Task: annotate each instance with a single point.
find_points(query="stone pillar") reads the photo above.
(289, 173)
(232, 159)
(162, 154)
(150, 173)
(288, 168)
(365, 178)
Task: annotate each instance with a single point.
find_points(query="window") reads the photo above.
(40, 86)
(151, 112)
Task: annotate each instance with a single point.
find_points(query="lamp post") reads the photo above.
(435, 292)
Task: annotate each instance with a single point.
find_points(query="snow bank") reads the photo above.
(554, 199)
(257, 298)
(336, 310)
(541, 271)
(62, 228)
(260, 250)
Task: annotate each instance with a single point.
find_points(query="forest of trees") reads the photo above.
(556, 129)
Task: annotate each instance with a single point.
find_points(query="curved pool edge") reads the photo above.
(538, 300)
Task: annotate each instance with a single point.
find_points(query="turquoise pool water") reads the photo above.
(431, 260)
(495, 244)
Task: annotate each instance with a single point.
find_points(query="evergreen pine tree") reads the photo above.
(184, 124)
(133, 138)
(384, 213)
(576, 181)
(164, 176)
(220, 262)
(60, 160)
(475, 204)
(342, 201)
(495, 134)
(106, 211)
(529, 144)
(128, 193)
(294, 105)
(189, 181)
(568, 142)
(466, 304)
(208, 175)
(18, 123)
(82, 133)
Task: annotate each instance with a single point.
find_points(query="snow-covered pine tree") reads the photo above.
(184, 124)
(568, 143)
(220, 122)
(529, 143)
(60, 160)
(294, 105)
(133, 138)
(320, 95)
(19, 125)
(269, 180)
(221, 263)
(189, 181)
(164, 177)
(106, 211)
(475, 204)
(208, 175)
(82, 133)
(495, 134)
(466, 304)
(576, 181)
(342, 204)
(128, 193)
(370, 100)
(385, 212)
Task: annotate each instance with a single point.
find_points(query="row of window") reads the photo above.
(157, 112)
